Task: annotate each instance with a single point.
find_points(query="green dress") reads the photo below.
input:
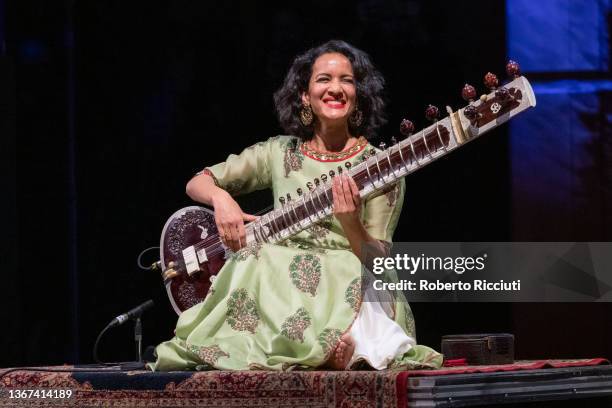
(285, 306)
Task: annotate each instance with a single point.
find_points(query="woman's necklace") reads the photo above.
(334, 156)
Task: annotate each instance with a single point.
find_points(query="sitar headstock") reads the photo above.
(487, 111)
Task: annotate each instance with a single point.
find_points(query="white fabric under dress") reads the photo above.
(378, 339)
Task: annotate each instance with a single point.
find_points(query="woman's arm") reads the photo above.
(229, 217)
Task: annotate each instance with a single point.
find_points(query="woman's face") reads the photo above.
(331, 90)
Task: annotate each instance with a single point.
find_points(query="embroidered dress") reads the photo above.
(285, 306)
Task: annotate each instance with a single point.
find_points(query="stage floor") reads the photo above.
(577, 382)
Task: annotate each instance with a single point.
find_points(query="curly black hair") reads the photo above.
(369, 83)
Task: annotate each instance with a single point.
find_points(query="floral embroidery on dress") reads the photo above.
(242, 314)
(235, 186)
(352, 295)
(409, 321)
(251, 249)
(361, 157)
(320, 229)
(293, 327)
(293, 157)
(329, 338)
(306, 246)
(392, 193)
(209, 355)
(305, 272)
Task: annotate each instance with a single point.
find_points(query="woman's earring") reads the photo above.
(356, 118)
(306, 116)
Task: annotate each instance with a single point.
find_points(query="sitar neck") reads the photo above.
(385, 167)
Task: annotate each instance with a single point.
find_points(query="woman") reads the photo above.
(298, 304)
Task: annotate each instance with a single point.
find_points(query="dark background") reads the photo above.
(107, 108)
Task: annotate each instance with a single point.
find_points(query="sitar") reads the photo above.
(192, 253)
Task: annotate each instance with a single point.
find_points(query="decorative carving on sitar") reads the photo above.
(496, 107)
(177, 231)
(187, 295)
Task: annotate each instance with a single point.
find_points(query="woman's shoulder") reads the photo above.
(279, 143)
(278, 140)
(284, 140)
(273, 143)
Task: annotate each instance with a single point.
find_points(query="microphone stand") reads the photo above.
(135, 315)
(138, 339)
(138, 364)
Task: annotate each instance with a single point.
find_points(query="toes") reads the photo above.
(343, 353)
(347, 339)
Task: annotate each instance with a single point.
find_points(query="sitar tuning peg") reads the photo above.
(372, 152)
(299, 192)
(406, 127)
(470, 112)
(468, 93)
(324, 178)
(332, 173)
(309, 186)
(339, 170)
(503, 94)
(432, 113)
(282, 200)
(382, 146)
(393, 140)
(317, 182)
(513, 69)
(348, 165)
(491, 81)
(288, 197)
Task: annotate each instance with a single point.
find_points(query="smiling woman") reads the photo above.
(299, 303)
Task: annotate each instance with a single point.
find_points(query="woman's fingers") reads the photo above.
(338, 196)
(241, 235)
(335, 202)
(230, 234)
(230, 220)
(355, 192)
(235, 238)
(248, 217)
(347, 194)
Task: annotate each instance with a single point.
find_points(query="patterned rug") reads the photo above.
(210, 389)
(110, 387)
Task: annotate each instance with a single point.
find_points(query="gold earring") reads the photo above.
(356, 118)
(306, 115)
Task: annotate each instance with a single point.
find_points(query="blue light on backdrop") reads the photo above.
(560, 152)
(559, 35)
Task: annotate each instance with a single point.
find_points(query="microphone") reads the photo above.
(132, 314)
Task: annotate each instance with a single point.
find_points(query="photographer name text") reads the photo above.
(437, 285)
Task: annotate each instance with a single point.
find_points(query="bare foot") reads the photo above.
(340, 357)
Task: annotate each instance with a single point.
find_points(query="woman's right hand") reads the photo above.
(230, 220)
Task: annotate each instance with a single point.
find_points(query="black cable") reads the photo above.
(95, 348)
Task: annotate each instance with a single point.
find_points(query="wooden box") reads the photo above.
(479, 349)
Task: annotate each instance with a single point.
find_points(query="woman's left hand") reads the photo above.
(347, 202)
